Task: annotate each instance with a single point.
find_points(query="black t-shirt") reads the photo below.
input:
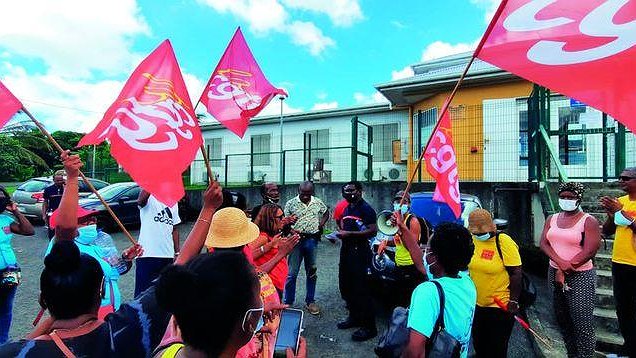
(361, 216)
(53, 196)
(134, 330)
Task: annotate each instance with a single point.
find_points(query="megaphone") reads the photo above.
(385, 225)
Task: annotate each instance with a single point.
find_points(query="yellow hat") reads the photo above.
(231, 228)
(480, 221)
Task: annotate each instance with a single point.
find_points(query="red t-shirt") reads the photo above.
(338, 211)
(279, 273)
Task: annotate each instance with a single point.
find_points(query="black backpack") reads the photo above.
(528, 290)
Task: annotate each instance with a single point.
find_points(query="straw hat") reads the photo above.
(231, 228)
(480, 221)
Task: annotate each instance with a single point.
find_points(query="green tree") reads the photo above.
(17, 161)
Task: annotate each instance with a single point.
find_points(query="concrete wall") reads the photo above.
(511, 201)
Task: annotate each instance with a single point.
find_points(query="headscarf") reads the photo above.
(574, 187)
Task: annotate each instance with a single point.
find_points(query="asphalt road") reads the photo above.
(323, 338)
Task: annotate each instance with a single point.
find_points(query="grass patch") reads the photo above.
(11, 189)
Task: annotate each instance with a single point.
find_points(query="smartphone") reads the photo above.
(288, 336)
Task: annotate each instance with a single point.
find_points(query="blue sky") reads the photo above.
(67, 60)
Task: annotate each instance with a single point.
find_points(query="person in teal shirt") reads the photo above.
(100, 246)
(9, 269)
(446, 259)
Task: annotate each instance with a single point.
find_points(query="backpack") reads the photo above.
(528, 290)
(425, 228)
(441, 344)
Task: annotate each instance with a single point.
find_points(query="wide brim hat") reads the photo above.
(81, 213)
(480, 221)
(229, 228)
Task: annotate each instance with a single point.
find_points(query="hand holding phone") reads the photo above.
(289, 329)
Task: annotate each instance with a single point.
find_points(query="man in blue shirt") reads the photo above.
(358, 227)
(52, 196)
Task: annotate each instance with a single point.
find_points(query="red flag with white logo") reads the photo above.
(441, 164)
(151, 126)
(238, 89)
(583, 49)
(9, 105)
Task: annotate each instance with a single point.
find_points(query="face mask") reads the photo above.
(483, 237)
(401, 208)
(272, 200)
(87, 234)
(568, 204)
(427, 267)
(621, 220)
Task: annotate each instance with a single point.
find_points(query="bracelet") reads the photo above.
(513, 301)
(262, 249)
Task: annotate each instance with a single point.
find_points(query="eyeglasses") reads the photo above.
(252, 320)
(625, 178)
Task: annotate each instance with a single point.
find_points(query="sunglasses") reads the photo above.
(625, 178)
(252, 321)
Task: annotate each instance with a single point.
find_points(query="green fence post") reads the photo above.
(354, 148)
(251, 162)
(227, 160)
(369, 155)
(605, 148)
(282, 170)
(620, 149)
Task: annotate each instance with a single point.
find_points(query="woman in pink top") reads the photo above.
(571, 238)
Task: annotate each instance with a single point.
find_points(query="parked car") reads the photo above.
(29, 196)
(121, 198)
(383, 266)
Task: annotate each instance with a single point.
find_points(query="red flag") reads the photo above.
(151, 126)
(441, 164)
(9, 105)
(238, 89)
(582, 49)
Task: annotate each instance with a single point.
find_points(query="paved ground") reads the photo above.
(324, 340)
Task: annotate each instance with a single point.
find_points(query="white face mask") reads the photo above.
(568, 204)
(621, 220)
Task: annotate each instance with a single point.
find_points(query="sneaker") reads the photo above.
(313, 308)
(364, 334)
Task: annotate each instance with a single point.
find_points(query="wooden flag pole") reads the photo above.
(88, 183)
(205, 152)
(502, 5)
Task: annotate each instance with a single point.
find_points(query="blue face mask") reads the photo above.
(482, 237)
(87, 234)
(621, 220)
(401, 208)
(427, 266)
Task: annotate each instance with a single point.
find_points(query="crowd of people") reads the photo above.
(221, 293)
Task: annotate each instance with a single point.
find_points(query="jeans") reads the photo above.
(306, 249)
(624, 282)
(146, 270)
(7, 294)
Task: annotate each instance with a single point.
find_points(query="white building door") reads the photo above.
(505, 146)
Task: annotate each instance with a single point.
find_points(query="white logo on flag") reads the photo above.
(596, 24)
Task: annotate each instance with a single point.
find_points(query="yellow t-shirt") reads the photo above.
(624, 252)
(488, 271)
(402, 254)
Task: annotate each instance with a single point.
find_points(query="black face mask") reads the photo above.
(4, 201)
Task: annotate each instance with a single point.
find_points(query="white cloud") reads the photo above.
(398, 24)
(60, 103)
(489, 5)
(375, 97)
(324, 105)
(194, 85)
(439, 49)
(341, 12)
(406, 72)
(273, 108)
(73, 37)
(308, 35)
(265, 16)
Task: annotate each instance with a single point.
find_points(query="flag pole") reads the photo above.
(446, 105)
(88, 183)
(204, 152)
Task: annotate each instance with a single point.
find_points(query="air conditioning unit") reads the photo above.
(321, 176)
(397, 173)
(257, 176)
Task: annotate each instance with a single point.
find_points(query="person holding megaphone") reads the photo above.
(409, 276)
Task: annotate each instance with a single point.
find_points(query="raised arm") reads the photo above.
(66, 226)
(212, 199)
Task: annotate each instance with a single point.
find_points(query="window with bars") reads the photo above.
(424, 121)
(318, 139)
(261, 144)
(523, 138)
(383, 137)
(215, 146)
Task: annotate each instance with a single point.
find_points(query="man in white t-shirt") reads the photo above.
(158, 236)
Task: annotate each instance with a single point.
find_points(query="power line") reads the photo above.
(62, 107)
